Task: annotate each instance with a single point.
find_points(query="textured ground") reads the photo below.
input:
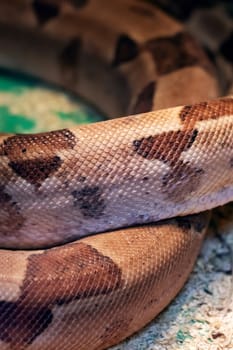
(23, 100)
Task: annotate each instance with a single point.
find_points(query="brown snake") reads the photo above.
(110, 176)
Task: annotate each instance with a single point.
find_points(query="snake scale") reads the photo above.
(171, 163)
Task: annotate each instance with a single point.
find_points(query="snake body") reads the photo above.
(58, 288)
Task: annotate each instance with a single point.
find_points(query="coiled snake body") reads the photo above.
(112, 176)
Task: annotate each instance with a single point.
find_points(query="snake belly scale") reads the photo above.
(170, 160)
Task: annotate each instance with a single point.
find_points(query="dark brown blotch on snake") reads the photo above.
(68, 61)
(231, 163)
(144, 101)
(70, 54)
(36, 171)
(89, 200)
(26, 154)
(226, 47)
(176, 52)
(45, 10)
(197, 221)
(189, 115)
(79, 3)
(11, 219)
(126, 50)
(166, 147)
(181, 180)
(84, 271)
(24, 325)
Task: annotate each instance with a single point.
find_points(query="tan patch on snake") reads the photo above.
(142, 11)
(144, 101)
(26, 154)
(73, 272)
(181, 180)
(11, 220)
(216, 109)
(166, 147)
(176, 52)
(126, 50)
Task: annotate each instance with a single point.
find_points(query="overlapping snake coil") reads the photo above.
(120, 176)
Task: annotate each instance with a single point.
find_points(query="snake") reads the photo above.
(101, 224)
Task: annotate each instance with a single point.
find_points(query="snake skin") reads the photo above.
(62, 285)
